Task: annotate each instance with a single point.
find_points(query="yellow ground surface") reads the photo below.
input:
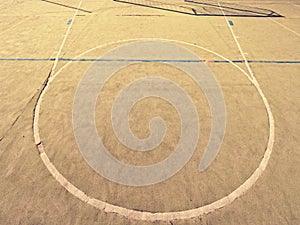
(32, 31)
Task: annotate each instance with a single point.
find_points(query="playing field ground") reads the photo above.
(238, 63)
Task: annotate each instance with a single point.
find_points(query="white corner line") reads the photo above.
(285, 27)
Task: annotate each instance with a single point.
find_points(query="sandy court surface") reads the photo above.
(32, 33)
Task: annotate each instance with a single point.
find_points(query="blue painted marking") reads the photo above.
(230, 23)
(153, 60)
(274, 61)
(133, 60)
(27, 59)
(69, 21)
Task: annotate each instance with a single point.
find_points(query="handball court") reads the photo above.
(251, 48)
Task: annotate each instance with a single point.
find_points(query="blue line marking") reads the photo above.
(154, 60)
(27, 59)
(132, 60)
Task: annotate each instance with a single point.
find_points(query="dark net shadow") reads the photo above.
(204, 8)
(213, 8)
(161, 5)
(66, 6)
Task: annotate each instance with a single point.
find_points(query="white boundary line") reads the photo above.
(47, 82)
(164, 216)
(65, 38)
(237, 43)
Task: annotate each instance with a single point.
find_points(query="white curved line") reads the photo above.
(167, 216)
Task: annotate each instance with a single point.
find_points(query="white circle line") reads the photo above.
(162, 216)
